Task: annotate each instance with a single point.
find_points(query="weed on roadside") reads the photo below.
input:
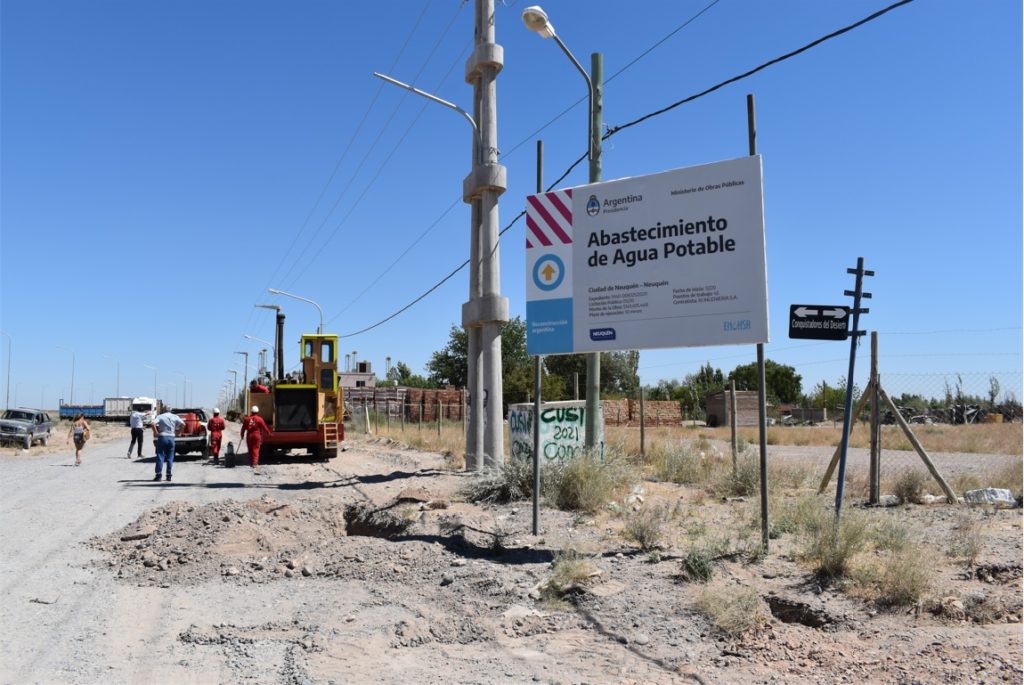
(733, 611)
(966, 539)
(647, 527)
(588, 482)
(830, 546)
(569, 571)
(909, 486)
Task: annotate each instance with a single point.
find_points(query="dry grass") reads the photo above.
(734, 611)
(831, 547)
(589, 482)
(647, 527)
(967, 539)
(569, 572)
(990, 438)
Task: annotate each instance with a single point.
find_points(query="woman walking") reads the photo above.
(80, 432)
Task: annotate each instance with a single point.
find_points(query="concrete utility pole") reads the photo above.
(486, 312)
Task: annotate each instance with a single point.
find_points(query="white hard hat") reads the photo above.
(255, 410)
(216, 411)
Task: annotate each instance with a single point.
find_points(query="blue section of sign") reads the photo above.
(549, 326)
(552, 262)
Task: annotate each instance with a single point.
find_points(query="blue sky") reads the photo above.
(164, 163)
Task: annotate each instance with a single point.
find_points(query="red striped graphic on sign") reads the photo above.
(549, 218)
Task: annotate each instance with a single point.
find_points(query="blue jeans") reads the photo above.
(164, 452)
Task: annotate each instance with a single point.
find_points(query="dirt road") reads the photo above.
(225, 576)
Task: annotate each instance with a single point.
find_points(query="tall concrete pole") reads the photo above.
(486, 313)
(594, 421)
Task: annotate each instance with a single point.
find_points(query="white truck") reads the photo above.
(148, 406)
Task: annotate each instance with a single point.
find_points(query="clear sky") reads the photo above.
(164, 163)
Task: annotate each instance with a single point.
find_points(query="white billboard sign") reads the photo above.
(674, 259)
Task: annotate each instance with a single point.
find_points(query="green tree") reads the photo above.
(697, 386)
(401, 373)
(448, 366)
(782, 383)
(619, 375)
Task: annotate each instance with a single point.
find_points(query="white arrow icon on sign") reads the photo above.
(835, 313)
(804, 311)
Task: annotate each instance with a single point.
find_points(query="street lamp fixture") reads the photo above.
(440, 101)
(275, 291)
(536, 19)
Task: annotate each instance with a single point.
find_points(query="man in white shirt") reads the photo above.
(165, 427)
(137, 431)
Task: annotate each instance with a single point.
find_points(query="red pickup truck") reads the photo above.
(193, 436)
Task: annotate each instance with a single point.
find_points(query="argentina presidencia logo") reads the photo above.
(593, 206)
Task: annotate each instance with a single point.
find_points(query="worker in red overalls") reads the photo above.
(216, 428)
(253, 430)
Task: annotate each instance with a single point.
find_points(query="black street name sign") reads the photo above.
(819, 321)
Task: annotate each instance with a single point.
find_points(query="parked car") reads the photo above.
(25, 426)
(193, 435)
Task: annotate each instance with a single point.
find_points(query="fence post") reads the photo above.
(440, 410)
(404, 398)
(732, 426)
(366, 416)
(642, 422)
(876, 425)
(387, 411)
(462, 410)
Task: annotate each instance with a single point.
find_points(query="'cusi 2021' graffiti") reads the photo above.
(562, 432)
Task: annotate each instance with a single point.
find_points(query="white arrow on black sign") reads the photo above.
(818, 321)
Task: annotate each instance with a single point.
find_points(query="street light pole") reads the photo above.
(10, 343)
(61, 347)
(275, 291)
(234, 387)
(245, 378)
(537, 20)
(279, 337)
(265, 342)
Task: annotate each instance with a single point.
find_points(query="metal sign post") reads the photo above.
(854, 333)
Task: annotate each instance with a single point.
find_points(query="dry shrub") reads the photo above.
(905, 577)
(647, 527)
(966, 540)
(792, 514)
(744, 482)
(831, 545)
(569, 571)
(788, 475)
(891, 535)
(692, 463)
(734, 611)
(698, 564)
(589, 482)
(909, 486)
(512, 482)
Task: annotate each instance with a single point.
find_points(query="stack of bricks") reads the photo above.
(422, 404)
(627, 413)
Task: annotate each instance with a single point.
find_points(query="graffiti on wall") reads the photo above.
(562, 431)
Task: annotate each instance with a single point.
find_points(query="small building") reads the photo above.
(359, 376)
(718, 408)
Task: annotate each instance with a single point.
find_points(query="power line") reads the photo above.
(612, 131)
(513, 149)
(609, 79)
(387, 159)
(846, 29)
(344, 155)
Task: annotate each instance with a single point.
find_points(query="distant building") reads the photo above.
(718, 408)
(359, 376)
